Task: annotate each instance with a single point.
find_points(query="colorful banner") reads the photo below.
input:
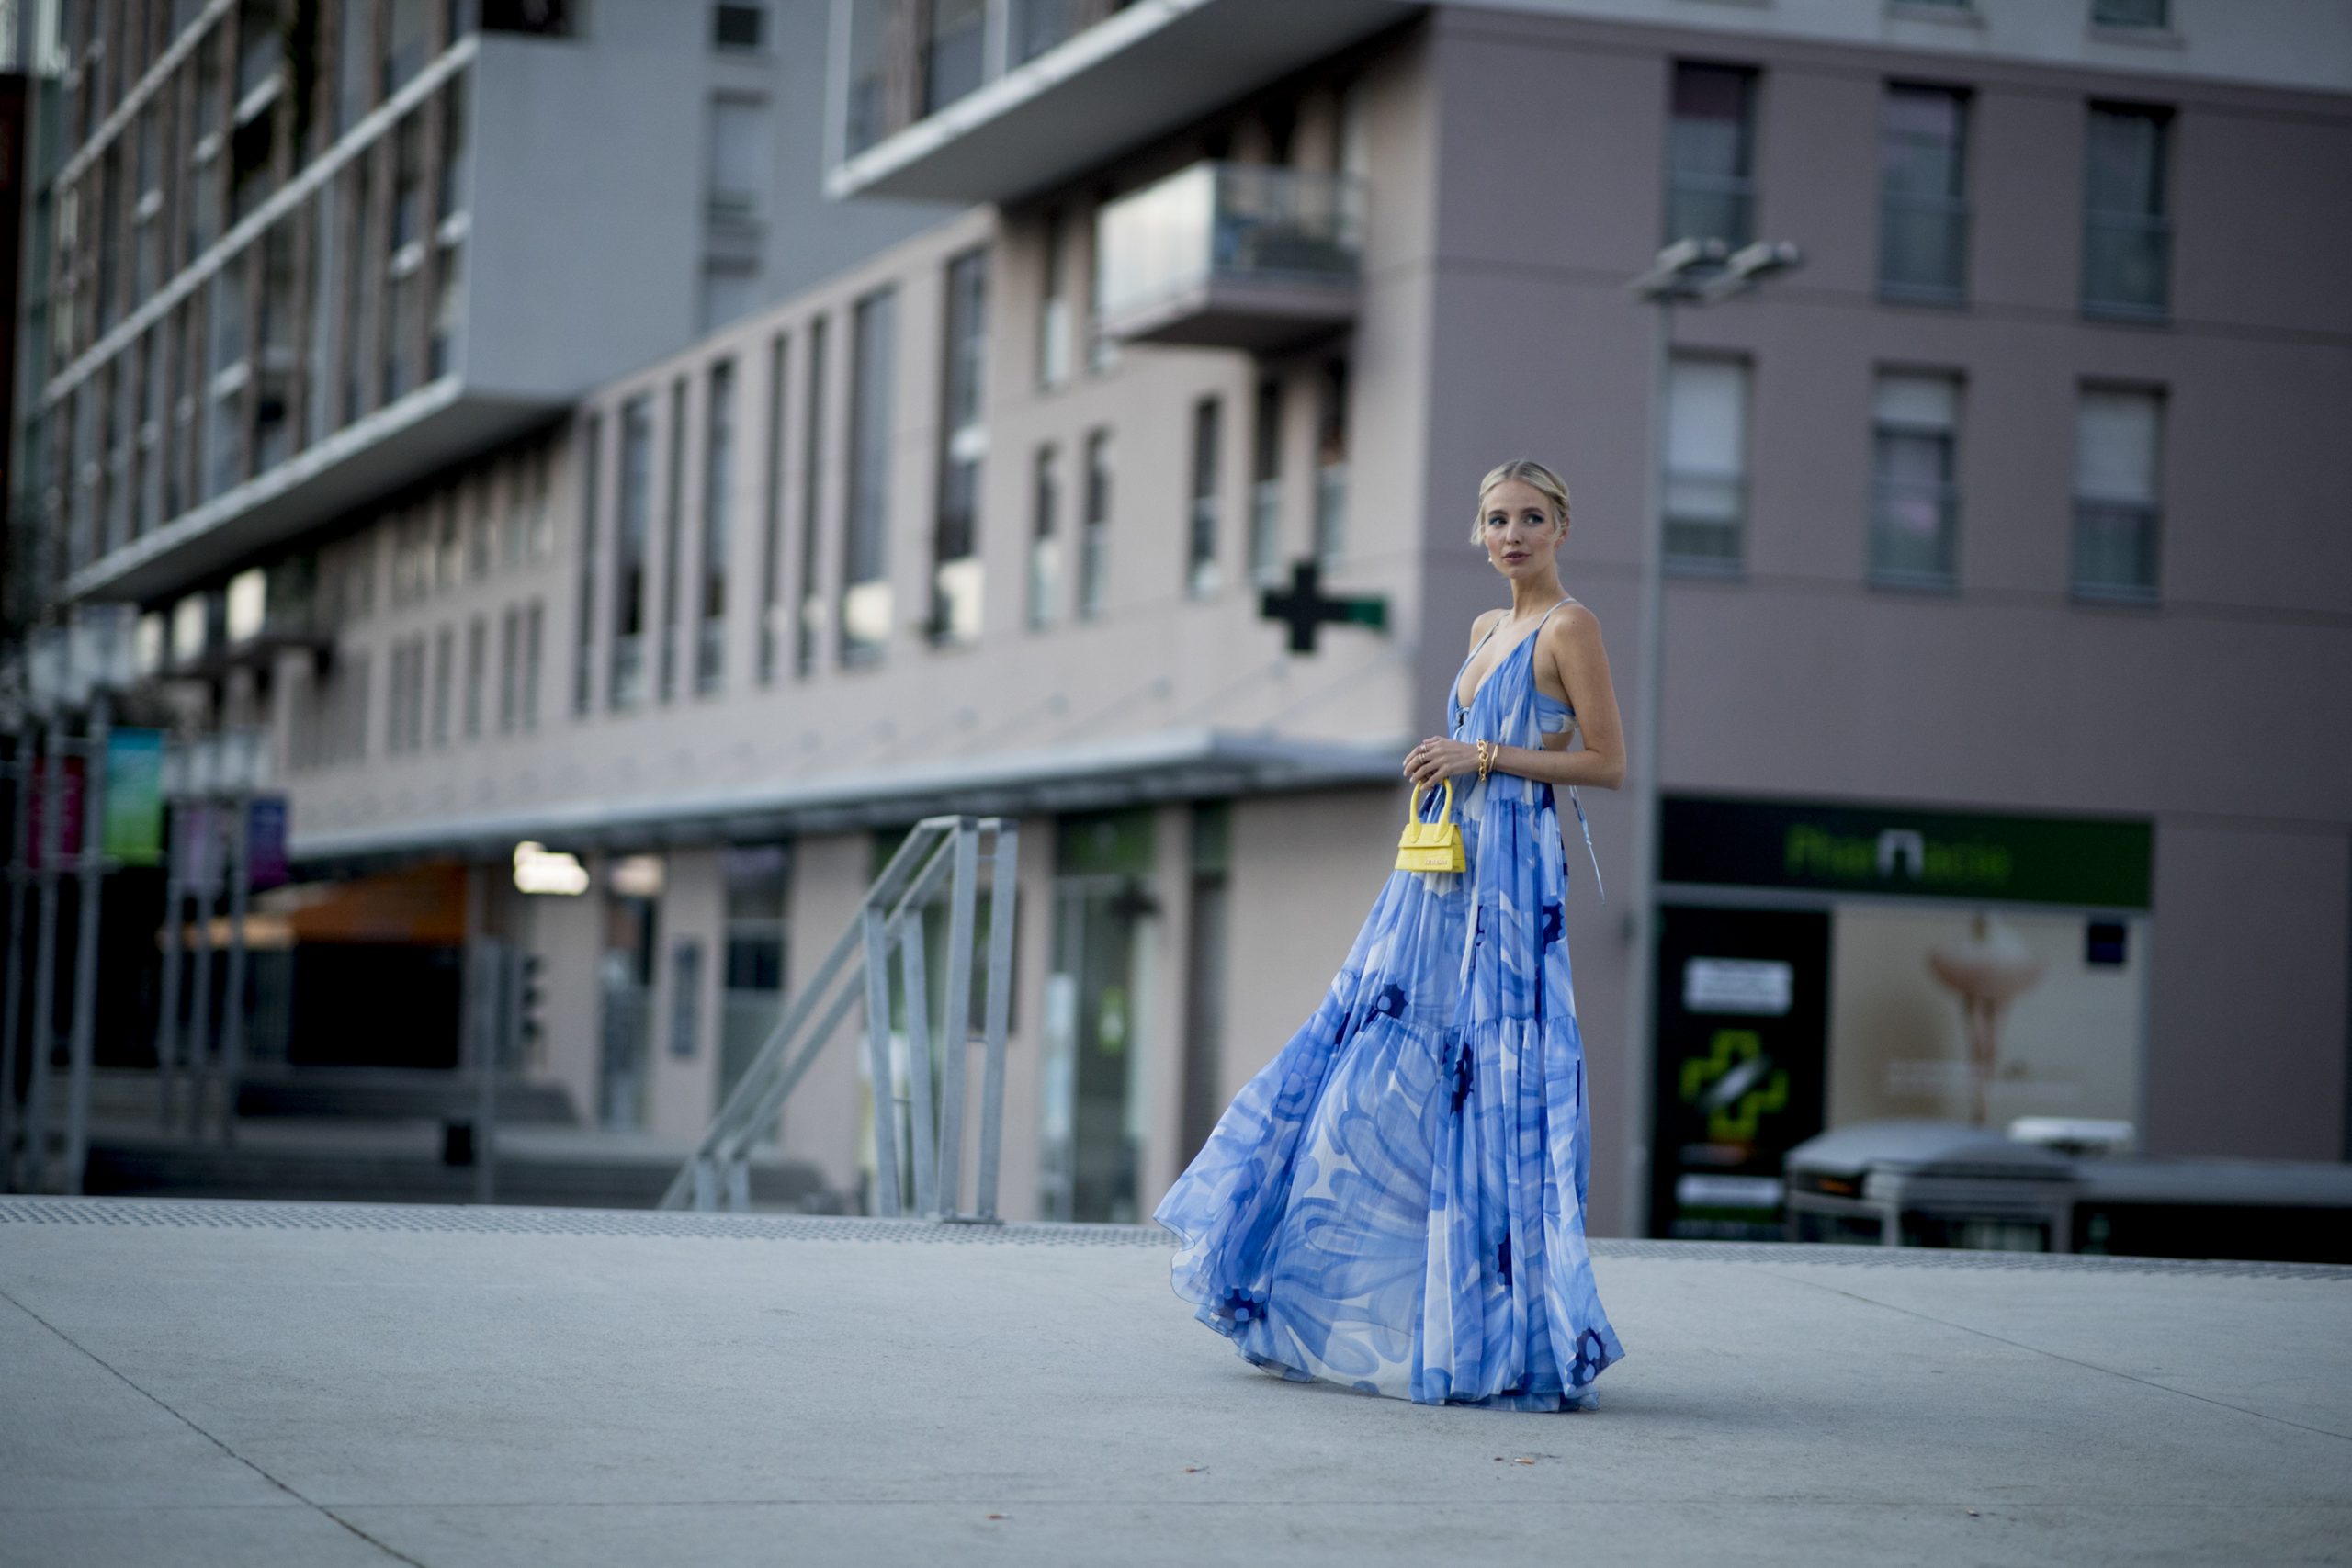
(196, 847)
(265, 843)
(69, 816)
(131, 830)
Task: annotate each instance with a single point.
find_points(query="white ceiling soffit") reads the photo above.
(1148, 70)
(1157, 766)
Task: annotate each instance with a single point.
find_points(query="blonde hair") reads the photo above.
(1527, 471)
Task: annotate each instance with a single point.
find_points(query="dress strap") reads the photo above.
(1600, 887)
(1590, 852)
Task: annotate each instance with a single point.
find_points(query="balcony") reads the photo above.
(1232, 256)
(1041, 92)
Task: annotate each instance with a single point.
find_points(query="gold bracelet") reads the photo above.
(1488, 750)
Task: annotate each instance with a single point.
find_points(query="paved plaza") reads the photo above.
(212, 1383)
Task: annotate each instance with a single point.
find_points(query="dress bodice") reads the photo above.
(1509, 708)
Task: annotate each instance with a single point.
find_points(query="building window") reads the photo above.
(539, 510)
(738, 173)
(445, 658)
(2127, 238)
(718, 478)
(1923, 195)
(1915, 428)
(404, 714)
(1200, 566)
(542, 18)
(1045, 539)
(810, 633)
(956, 539)
(1266, 486)
(956, 32)
(534, 646)
(633, 532)
(1706, 465)
(864, 114)
(772, 518)
(738, 26)
(1053, 312)
(1101, 348)
(405, 51)
(510, 669)
(476, 673)
(673, 527)
(865, 613)
(1094, 528)
(2118, 447)
(449, 541)
(2132, 12)
(1711, 177)
(452, 146)
(1331, 465)
(757, 878)
(584, 635)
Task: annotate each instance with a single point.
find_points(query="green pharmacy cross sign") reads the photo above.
(1306, 608)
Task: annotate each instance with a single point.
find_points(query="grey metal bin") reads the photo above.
(1922, 1183)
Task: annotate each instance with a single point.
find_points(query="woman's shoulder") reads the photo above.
(1485, 623)
(1572, 620)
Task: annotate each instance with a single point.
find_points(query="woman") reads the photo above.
(1396, 1200)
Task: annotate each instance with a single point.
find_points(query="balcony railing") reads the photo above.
(2127, 266)
(1914, 533)
(2115, 550)
(1232, 256)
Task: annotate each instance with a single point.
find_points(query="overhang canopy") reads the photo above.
(1188, 764)
(1151, 68)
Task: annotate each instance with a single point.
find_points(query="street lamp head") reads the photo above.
(1764, 258)
(1750, 266)
(1671, 274)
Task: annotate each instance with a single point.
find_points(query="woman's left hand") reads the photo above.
(1438, 759)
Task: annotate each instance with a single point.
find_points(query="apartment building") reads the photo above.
(306, 252)
(1989, 536)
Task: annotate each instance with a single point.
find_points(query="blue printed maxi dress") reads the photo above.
(1396, 1200)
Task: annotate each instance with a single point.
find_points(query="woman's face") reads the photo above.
(1517, 528)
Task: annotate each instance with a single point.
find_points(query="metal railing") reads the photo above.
(942, 854)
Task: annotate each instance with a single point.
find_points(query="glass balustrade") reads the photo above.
(1272, 232)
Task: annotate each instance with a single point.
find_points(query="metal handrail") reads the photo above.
(939, 850)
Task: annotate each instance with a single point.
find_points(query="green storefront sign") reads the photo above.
(2099, 863)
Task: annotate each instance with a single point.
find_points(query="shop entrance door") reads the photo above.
(1742, 1009)
(1090, 1161)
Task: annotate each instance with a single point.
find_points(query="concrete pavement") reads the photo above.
(198, 1383)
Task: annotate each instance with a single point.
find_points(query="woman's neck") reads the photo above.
(1533, 595)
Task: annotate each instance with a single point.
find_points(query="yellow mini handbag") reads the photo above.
(1430, 846)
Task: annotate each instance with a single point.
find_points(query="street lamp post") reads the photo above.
(1692, 272)
(48, 672)
(101, 660)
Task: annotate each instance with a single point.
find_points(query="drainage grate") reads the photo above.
(220, 1214)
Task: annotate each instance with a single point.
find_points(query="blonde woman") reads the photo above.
(1397, 1202)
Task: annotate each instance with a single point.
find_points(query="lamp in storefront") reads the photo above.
(538, 869)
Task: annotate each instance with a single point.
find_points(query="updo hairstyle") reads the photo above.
(1526, 471)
